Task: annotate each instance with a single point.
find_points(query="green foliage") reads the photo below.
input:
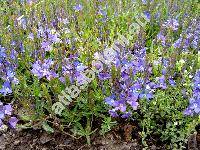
(107, 125)
(163, 119)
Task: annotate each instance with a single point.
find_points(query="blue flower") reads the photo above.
(178, 43)
(2, 52)
(110, 100)
(8, 109)
(13, 122)
(31, 36)
(161, 38)
(147, 14)
(126, 115)
(133, 102)
(113, 113)
(104, 76)
(2, 112)
(1, 123)
(161, 82)
(46, 45)
(194, 103)
(6, 88)
(172, 82)
(171, 24)
(78, 7)
(43, 69)
(144, 1)
(120, 105)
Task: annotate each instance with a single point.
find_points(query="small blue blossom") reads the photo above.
(13, 122)
(171, 24)
(147, 14)
(78, 7)
(43, 69)
(104, 76)
(126, 115)
(6, 88)
(194, 103)
(110, 100)
(113, 113)
(8, 109)
(172, 82)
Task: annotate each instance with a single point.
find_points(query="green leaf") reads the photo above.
(47, 128)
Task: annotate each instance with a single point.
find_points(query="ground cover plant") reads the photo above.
(105, 62)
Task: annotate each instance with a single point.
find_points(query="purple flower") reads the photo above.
(144, 1)
(37, 69)
(146, 93)
(2, 52)
(147, 14)
(10, 74)
(104, 76)
(46, 45)
(110, 100)
(8, 109)
(172, 82)
(78, 7)
(161, 82)
(102, 12)
(164, 71)
(195, 107)
(165, 62)
(171, 24)
(13, 54)
(21, 47)
(120, 105)
(126, 115)
(13, 122)
(62, 79)
(136, 86)
(1, 123)
(50, 75)
(134, 104)
(31, 36)
(81, 79)
(80, 67)
(188, 112)
(113, 113)
(2, 114)
(43, 69)
(161, 38)
(54, 38)
(15, 81)
(194, 104)
(124, 76)
(6, 88)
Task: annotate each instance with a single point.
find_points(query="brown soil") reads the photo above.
(40, 140)
(118, 139)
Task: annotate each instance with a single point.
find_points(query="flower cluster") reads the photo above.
(189, 38)
(50, 37)
(7, 72)
(134, 82)
(194, 103)
(43, 69)
(72, 68)
(6, 111)
(171, 24)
